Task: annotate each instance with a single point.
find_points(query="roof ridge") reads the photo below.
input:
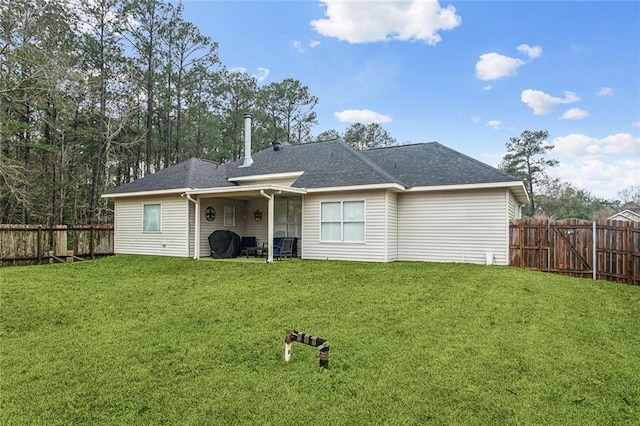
(372, 164)
(401, 145)
(192, 163)
(189, 177)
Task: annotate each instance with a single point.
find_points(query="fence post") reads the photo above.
(522, 245)
(549, 246)
(39, 244)
(595, 243)
(91, 240)
(629, 251)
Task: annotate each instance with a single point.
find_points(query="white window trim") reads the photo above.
(159, 231)
(342, 222)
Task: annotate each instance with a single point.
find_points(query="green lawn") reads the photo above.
(143, 340)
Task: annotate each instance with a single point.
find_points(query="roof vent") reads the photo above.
(276, 145)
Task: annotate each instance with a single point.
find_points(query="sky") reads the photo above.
(467, 74)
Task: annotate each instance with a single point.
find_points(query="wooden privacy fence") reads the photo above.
(608, 250)
(29, 244)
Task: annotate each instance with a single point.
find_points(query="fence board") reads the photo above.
(29, 244)
(566, 247)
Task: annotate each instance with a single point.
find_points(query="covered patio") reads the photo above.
(243, 198)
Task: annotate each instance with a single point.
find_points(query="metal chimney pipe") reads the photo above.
(248, 161)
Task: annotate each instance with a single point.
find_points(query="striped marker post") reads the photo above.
(296, 336)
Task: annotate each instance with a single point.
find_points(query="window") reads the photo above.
(229, 216)
(342, 221)
(288, 217)
(151, 218)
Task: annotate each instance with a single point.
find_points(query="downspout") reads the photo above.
(270, 225)
(196, 236)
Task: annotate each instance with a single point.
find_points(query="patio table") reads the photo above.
(261, 250)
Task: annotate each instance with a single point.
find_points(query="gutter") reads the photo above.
(189, 197)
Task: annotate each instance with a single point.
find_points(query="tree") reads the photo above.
(328, 134)
(195, 58)
(37, 74)
(288, 108)
(101, 92)
(562, 200)
(148, 20)
(526, 159)
(238, 94)
(361, 136)
(103, 61)
(630, 197)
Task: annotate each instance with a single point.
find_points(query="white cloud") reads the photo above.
(260, 74)
(602, 166)
(605, 91)
(603, 178)
(583, 146)
(475, 119)
(493, 66)
(636, 124)
(542, 103)
(574, 114)
(487, 87)
(364, 116)
(531, 51)
(300, 47)
(494, 124)
(373, 21)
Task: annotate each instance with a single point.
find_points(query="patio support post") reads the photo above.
(196, 231)
(270, 213)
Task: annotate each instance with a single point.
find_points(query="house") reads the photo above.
(628, 215)
(419, 202)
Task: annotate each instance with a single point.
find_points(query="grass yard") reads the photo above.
(143, 340)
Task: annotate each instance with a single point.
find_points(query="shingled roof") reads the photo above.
(325, 164)
(330, 163)
(193, 173)
(433, 164)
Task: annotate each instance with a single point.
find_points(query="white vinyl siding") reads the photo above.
(373, 248)
(287, 181)
(130, 237)
(453, 226)
(252, 228)
(191, 211)
(392, 226)
(515, 212)
(207, 227)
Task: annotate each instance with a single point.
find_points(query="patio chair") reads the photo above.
(283, 248)
(246, 244)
